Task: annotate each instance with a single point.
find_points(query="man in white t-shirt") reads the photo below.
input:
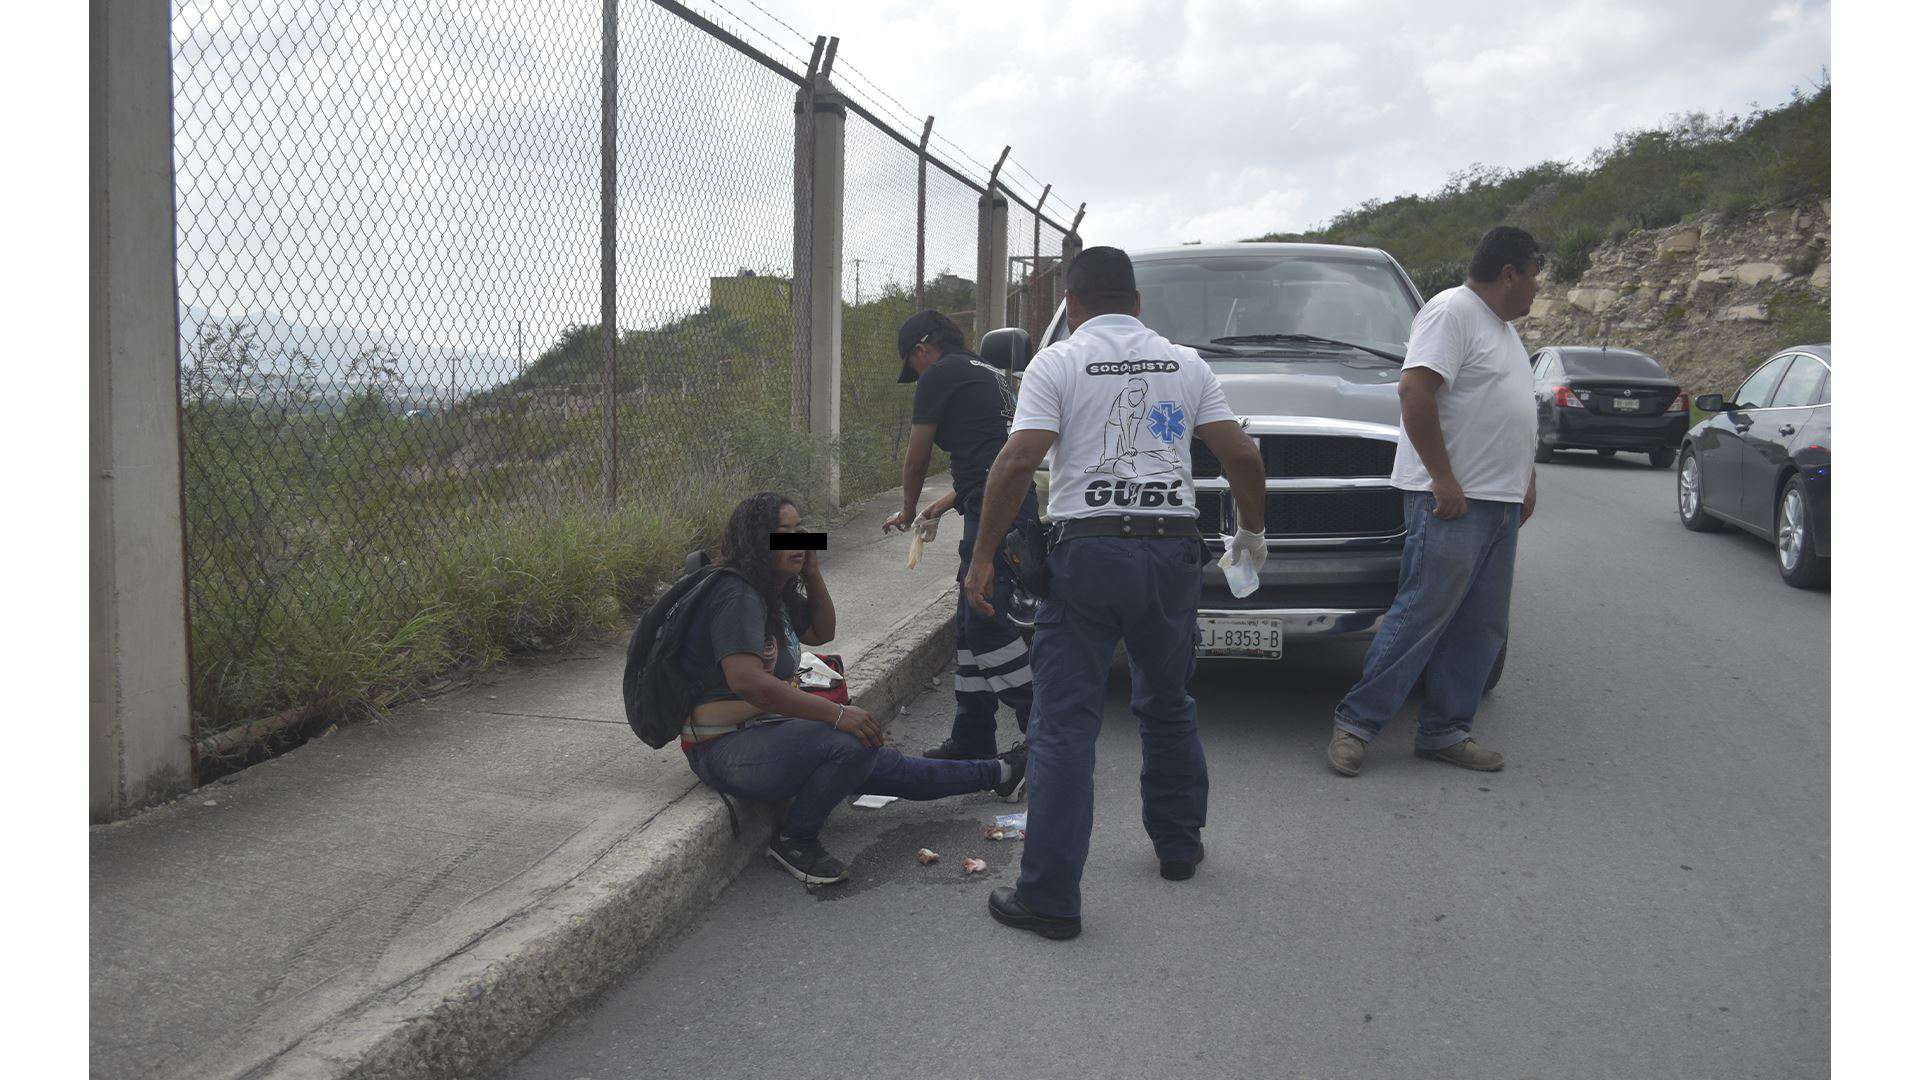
(1118, 405)
(1465, 467)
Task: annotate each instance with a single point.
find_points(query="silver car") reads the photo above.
(1307, 341)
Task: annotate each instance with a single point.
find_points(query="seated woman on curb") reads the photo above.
(756, 735)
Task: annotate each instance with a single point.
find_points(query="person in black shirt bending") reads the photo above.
(962, 404)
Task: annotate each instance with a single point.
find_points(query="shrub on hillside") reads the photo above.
(1644, 179)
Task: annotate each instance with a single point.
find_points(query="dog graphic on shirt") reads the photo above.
(1121, 453)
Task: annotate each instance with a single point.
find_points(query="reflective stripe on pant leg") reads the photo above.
(973, 709)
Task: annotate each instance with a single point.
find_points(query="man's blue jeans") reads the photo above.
(1145, 592)
(816, 767)
(1449, 620)
(991, 660)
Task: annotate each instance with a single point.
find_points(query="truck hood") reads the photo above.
(1329, 388)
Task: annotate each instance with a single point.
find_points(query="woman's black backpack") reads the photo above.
(659, 696)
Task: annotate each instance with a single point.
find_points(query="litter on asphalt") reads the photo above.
(874, 802)
(928, 856)
(973, 866)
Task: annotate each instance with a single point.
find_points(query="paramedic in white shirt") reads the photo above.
(1118, 405)
(1465, 467)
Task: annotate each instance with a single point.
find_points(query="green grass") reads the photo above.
(343, 557)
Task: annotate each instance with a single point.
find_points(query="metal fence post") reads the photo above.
(140, 723)
(920, 227)
(800, 301)
(1037, 318)
(609, 324)
(821, 147)
(990, 298)
(1070, 246)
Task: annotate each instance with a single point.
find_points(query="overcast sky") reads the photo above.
(1225, 119)
(428, 173)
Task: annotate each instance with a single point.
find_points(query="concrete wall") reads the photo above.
(140, 727)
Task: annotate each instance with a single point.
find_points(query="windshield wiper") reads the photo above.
(1304, 339)
(1214, 349)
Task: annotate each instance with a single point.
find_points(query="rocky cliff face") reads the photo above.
(1708, 298)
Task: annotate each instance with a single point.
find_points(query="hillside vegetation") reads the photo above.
(1646, 179)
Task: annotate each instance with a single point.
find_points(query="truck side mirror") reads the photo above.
(1007, 348)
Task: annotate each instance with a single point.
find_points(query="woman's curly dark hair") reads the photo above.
(744, 549)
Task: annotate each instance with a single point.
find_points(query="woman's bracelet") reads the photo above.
(842, 711)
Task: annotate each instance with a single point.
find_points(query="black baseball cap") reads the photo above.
(923, 326)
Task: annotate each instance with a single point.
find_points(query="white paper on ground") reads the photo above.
(874, 802)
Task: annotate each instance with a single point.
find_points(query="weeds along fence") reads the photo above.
(409, 440)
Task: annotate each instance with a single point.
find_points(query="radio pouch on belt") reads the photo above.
(1027, 547)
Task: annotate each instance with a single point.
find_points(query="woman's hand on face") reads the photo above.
(860, 723)
(811, 567)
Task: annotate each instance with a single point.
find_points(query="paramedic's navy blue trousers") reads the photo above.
(1144, 592)
(991, 662)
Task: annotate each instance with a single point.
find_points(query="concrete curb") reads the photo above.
(480, 1008)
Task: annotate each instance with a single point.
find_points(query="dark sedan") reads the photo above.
(1763, 461)
(1608, 400)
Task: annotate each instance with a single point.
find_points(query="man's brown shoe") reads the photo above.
(1468, 755)
(1345, 751)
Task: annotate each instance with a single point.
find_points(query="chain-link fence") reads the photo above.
(406, 440)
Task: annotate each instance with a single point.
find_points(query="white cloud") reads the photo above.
(1169, 117)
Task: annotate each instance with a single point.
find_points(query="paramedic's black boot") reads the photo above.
(952, 751)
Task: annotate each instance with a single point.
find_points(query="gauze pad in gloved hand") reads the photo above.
(924, 529)
(1246, 554)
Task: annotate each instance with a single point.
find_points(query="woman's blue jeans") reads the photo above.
(1448, 620)
(817, 767)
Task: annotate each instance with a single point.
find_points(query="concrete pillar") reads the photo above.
(990, 295)
(821, 151)
(1070, 246)
(141, 730)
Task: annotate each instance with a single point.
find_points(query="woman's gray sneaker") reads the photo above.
(807, 860)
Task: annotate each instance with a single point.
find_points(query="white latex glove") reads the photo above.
(1246, 553)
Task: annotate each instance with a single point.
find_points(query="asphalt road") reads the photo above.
(1643, 892)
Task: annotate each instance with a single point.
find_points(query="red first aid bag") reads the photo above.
(837, 693)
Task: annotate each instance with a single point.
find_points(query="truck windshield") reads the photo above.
(1203, 298)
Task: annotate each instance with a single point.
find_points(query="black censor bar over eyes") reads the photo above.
(797, 541)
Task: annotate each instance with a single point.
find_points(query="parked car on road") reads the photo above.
(1763, 461)
(1608, 400)
(1307, 341)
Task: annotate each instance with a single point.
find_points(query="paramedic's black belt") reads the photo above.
(1143, 526)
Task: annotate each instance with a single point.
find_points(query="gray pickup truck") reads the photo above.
(1307, 341)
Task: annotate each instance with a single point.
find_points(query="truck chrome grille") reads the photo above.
(1314, 514)
(1299, 456)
